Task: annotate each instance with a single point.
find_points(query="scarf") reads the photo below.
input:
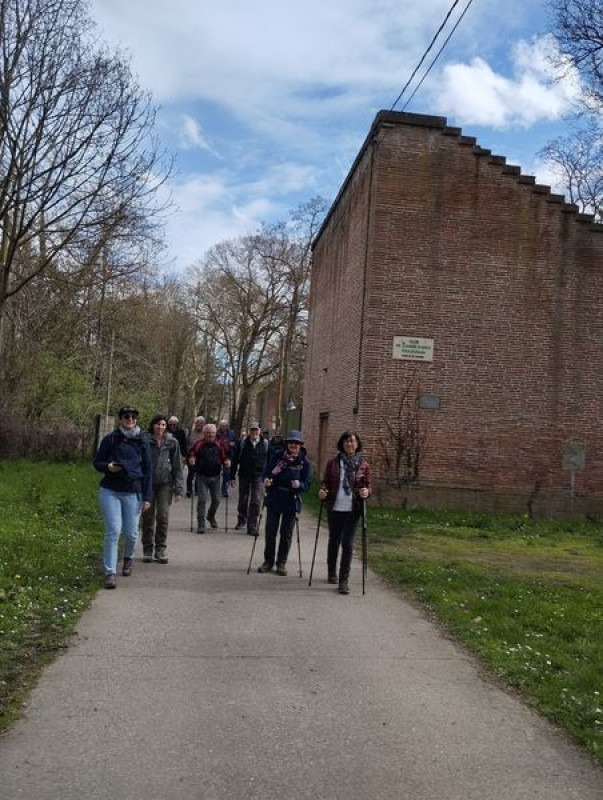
(130, 433)
(350, 465)
(286, 461)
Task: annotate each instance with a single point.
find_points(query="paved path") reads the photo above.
(195, 680)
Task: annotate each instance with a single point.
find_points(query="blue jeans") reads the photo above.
(121, 512)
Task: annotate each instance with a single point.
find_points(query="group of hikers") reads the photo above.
(143, 473)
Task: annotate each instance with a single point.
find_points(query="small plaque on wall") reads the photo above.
(574, 456)
(412, 348)
(429, 402)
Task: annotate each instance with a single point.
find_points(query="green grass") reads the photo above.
(50, 543)
(525, 595)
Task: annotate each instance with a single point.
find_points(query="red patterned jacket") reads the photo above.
(330, 480)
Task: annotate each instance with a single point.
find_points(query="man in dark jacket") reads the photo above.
(178, 433)
(207, 457)
(250, 461)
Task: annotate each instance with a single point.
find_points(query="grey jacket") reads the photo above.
(167, 463)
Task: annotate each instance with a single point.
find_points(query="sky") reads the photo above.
(265, 103)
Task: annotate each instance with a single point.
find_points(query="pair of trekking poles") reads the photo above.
(322, 502)
(364, 545)
(257, 533)
(193, 498)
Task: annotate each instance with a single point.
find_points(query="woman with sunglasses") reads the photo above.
(124, 456)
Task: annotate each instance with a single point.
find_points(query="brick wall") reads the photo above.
(433, 236)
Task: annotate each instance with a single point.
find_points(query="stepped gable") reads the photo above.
(385, 119)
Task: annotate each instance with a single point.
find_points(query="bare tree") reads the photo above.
(240, 307)
(77, 156)
(578, 26)
(286, 249)
(404, 443)
(578, 157)
(579, 161)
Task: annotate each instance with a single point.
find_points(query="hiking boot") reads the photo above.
(251, 532)
(147, 557)
(332, 579)
(161, 557)
(281, 569)
(343, 587)
(213, 522)
(110, 581)
(266, 567)
(126, 570)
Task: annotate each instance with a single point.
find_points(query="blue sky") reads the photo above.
(266, 103)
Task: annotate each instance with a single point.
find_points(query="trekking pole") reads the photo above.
(193, 484)
(301, 575)
(364, 546)
(257, 533)
(322, 502)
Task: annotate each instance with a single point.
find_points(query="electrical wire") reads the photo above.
(431, 44)
(438, 54)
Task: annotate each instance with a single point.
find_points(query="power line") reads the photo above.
(438, 54)
(431, 44)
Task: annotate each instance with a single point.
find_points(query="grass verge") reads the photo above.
(525, 595)
(50, 540)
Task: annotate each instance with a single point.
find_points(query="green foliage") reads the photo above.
(50, 540)
(55, 388)
(525, 595)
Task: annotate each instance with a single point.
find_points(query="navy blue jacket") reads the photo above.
(280, 497)
(134, 456)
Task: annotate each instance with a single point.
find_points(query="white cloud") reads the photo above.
(209, 209)
(475, 94)
(191, 135)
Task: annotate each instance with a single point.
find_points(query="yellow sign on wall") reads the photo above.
(411, 348)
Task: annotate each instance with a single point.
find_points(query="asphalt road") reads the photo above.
(196, 680)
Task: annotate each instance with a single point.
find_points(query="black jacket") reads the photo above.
(250, 461)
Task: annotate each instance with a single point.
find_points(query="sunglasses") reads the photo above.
(129, 416)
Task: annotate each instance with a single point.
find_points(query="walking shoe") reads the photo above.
(110, 581)
(161, 557)
(147, 557)
(126, 570)
(251, 532)
(343, 587)
(200, 530)
(281, 570)
(224, 494)
(266, 567)
(332, 579)
(238, 526)
(213, 522)
(189, 494)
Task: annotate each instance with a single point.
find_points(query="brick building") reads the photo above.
(444, 276)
